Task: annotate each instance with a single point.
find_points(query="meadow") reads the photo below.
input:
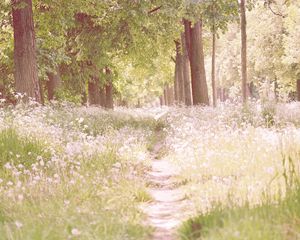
(70, 172)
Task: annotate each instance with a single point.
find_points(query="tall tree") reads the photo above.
(94, 91)
(109, 102)
(186, 72)
(213, 70)
(243, 49)
(199, 85)
(26, 71)
(179, 69)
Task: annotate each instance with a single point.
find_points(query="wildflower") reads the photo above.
(20, 197)
(20, 166)
(9, 183)
(42, 163)
(80, 120)
(75, 232)
(18, 224)
(117, 165)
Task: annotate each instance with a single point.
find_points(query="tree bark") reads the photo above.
(187, 34)
(244, 50)
(166, 97)
(26, 71)
(213, 70)
(298, 89)
(170, 95)
(180, 77)
(176, 89)
(186, 72)
(161, 100)
(93, 91)
(199, 85)
(102, 92)
(109, 91)
(53, 84)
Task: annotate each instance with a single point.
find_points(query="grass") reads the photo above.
(267, 221)
(101, 122)
(19, 150)
(90, 189)
(84, 176)
(241, 174)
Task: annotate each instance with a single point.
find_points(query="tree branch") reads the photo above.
(275, 13)
(154, 10)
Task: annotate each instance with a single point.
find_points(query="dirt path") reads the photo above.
(165, 212)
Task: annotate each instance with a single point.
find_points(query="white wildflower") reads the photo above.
(18, 224)
(75, 232)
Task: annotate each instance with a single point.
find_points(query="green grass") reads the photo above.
(101, 122)
(266, 222)
(19, 150)
(97, 200)
(101, 204)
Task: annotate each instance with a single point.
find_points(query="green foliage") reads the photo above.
(272, 48)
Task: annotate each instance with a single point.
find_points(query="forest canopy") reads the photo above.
(132, 50)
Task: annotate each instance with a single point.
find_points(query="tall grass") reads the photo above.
(59, 180)
(238, 165)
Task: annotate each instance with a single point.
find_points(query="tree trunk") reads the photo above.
(179, 78)
(187, 35)
(102, 92)
(199, 85)
(53, 83)
(213, 70)
(109, 91)
(26, 71)
(186, 72)
(170, 95)
(166, 97)
(161, 100)
(298, 89)
(109, 95)
(84, 98)
(176, 89)
(244, 50)
(93, 91)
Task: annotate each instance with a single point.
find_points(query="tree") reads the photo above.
(186, 72)
(199, 85)
(26, 71)
(109, 101)
(179, 76)
(243, 49)
(94, 91)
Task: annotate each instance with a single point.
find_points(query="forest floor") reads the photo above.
(69, 172)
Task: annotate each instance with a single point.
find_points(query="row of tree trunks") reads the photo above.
(167, 98)
(101, 95)
(222, 94)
